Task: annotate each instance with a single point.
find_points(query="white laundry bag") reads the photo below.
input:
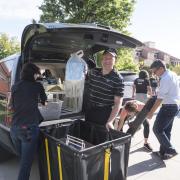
(76, 69)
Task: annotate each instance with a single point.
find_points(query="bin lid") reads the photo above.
(55, 122)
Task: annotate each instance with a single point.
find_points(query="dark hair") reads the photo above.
(143, 74)
(47, 73)
(28, 71)
(157, 64)
(130, 107)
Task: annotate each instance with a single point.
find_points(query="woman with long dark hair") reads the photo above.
(141, 87)
(25, 96)
(141, 90)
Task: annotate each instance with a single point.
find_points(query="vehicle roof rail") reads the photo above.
(98, 25)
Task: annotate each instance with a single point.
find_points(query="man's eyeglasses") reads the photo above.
(155, 70)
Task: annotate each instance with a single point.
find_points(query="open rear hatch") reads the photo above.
(52, 41)
(50, 46)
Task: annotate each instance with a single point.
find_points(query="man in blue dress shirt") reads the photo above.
(169, 98)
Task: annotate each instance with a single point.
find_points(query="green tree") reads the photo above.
(125, 60)
(114, 13)
(176, 69)
(8, 45)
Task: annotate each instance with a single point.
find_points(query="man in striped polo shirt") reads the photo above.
(105, 91)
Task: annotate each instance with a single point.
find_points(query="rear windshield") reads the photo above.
(129, 77)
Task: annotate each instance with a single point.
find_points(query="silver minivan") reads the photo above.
(49, 46)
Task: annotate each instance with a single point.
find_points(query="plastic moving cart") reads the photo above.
(83, 151)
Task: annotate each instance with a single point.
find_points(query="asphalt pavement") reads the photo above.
(143, 165)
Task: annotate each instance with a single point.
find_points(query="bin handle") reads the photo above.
(110, 135)
(73, 141)
(110, 139)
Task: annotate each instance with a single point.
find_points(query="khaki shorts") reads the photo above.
(141, 97)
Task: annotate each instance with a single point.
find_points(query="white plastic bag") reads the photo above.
(76, 69)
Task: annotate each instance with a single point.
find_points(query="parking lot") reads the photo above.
(9, 169)
(142, 165)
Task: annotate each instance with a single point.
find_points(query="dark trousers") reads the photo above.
(163, 126)
(145, 124)
(25, 140)
(98, 115)
(146, 128)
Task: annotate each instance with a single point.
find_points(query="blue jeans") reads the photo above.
(163, 126)
(25, 140)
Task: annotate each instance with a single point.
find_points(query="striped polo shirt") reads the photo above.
(103, 88)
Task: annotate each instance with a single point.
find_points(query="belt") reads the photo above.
(168, 105)
(94, 105)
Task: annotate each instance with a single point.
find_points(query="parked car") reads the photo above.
(129, 78)
(49, 46)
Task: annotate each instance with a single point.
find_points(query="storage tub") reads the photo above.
(51, 111)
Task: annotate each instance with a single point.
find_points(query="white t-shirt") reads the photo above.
(169, 89)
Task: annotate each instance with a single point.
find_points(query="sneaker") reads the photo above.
(148, 147)
(167, 156)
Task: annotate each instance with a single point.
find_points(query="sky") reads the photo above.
(158, 21)
(152, 20)
(15, 15)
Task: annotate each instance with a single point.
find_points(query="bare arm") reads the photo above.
(10, 103)
(120, 124)
(149, 90)
(133, 91)
(114, 112)
(122, 115)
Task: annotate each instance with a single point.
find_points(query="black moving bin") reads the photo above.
(101, 156)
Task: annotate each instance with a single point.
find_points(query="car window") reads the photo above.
(129, 77)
